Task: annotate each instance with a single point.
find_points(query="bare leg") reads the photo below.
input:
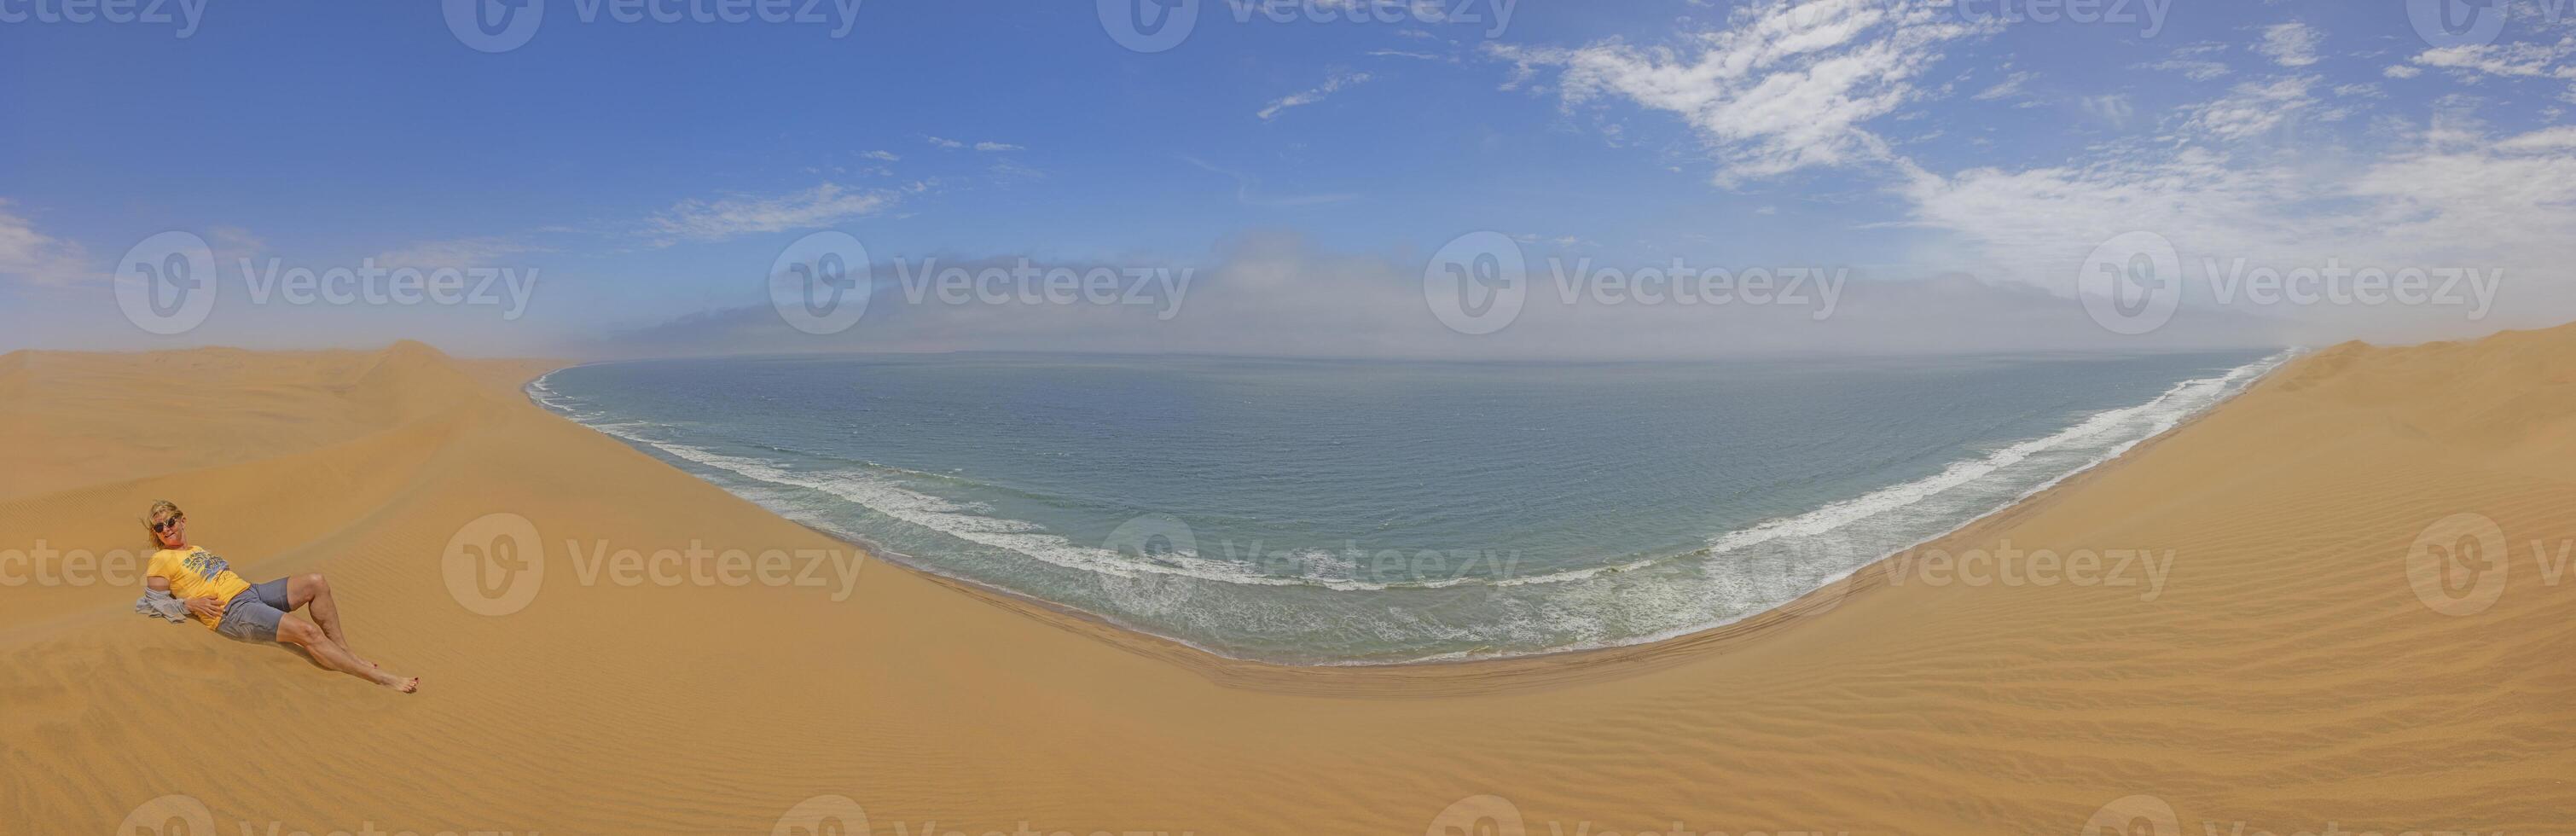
(315, 591)
(328, 654)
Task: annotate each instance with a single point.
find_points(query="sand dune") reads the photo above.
(2297, 663)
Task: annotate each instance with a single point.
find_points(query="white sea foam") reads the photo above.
(1564, 612)
(2106, 428)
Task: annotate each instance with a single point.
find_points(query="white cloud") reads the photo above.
(459, 252)
(2290, 44)
(37, 258)
(2255, 108)
(2518, 60)
(729, 217)
(1247, 189)
(887, 156)
(2194, 69)
(2010, 86)
(958, 145)
(2461, 199)
(1331, 83)
(1786, 86)
(2401, 71)
(2113, 108)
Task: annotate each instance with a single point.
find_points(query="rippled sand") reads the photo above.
(2317, 648)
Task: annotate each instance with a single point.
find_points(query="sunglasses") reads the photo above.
(164, 526)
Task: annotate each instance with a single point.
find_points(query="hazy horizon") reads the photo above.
(1693, 180)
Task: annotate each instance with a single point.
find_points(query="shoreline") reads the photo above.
(2288, 638)
(1339, 677)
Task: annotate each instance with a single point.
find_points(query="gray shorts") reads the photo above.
(253, 615)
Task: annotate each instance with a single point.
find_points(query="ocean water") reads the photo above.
(1351, 512)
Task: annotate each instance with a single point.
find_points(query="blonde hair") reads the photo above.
(162, 511)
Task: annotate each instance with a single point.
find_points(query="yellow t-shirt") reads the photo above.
(195, 573)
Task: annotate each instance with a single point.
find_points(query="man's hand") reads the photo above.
(205, 607)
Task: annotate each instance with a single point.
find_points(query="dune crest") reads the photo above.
(2268, 651)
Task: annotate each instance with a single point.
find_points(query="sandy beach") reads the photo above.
(2338, 601)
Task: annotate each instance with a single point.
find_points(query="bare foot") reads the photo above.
(405, 684)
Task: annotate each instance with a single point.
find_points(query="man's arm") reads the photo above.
(156, 600)
(203, 606)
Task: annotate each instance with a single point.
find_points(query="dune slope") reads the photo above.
(2306, 640)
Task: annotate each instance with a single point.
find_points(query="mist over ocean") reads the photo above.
(1339, 512)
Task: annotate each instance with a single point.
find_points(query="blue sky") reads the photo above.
(1958, 161)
